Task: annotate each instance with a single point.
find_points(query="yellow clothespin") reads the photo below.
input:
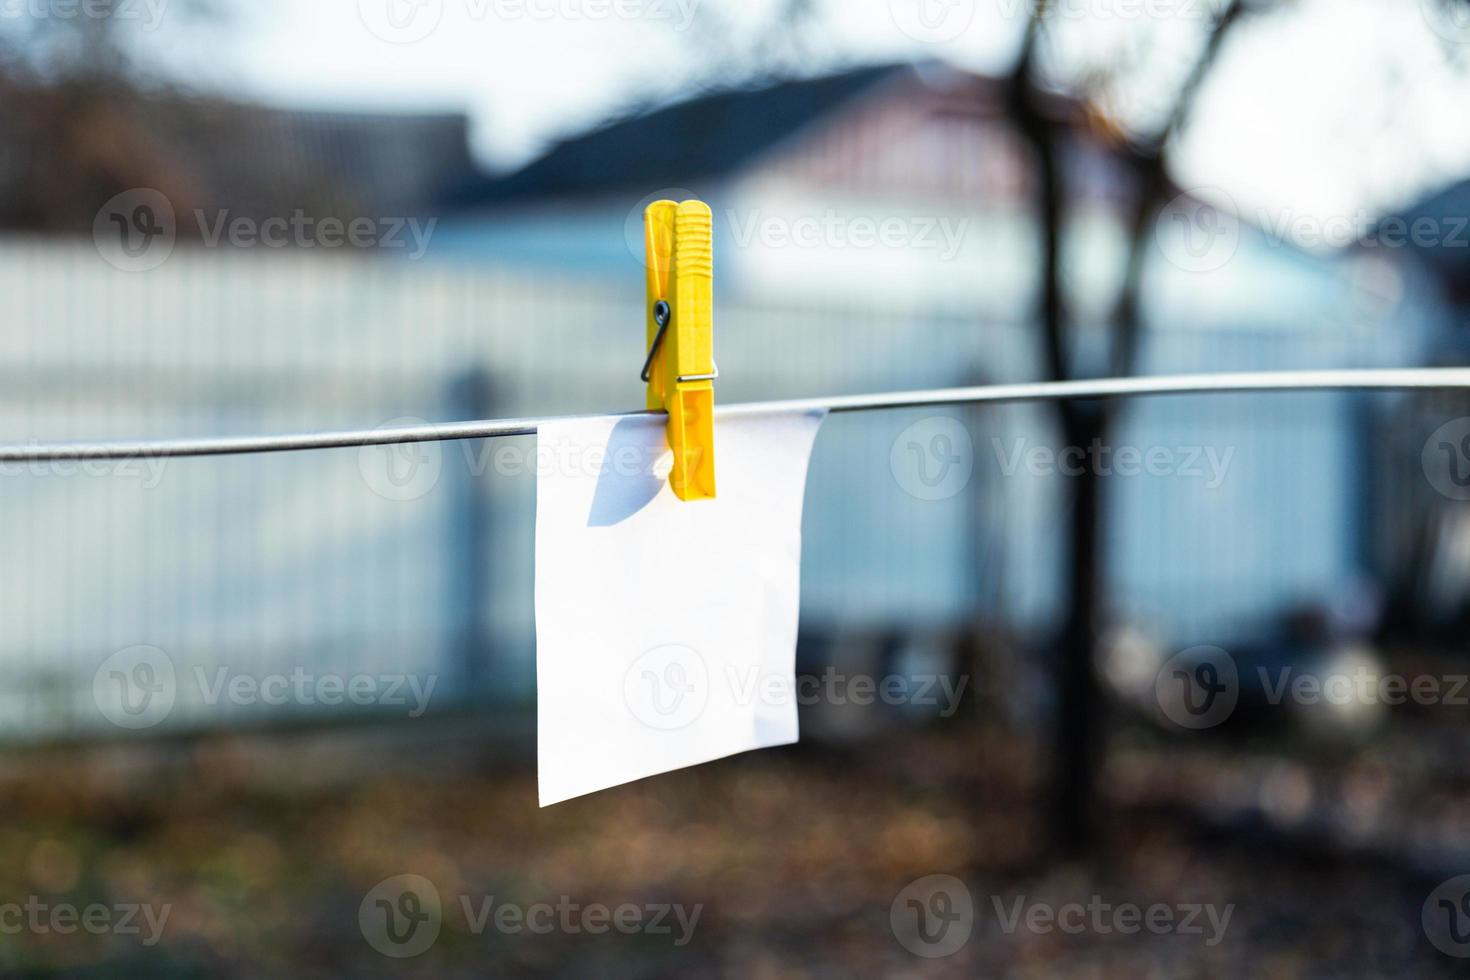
(680, 369)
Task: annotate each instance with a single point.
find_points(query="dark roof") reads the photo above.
(366, 163)
(707, 136)
(1446, 251)
(65, 153)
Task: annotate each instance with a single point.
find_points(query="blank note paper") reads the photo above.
(665, 629)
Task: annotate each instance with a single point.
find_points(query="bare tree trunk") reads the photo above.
(1080, 730)
(1075, 748)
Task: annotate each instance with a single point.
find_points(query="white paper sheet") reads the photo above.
(665, 629)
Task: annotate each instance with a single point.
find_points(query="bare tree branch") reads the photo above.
(1040, 133)
(1152, 167)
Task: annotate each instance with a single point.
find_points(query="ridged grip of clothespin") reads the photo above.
(692, 407)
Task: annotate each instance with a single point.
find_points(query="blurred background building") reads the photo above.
(875, 233)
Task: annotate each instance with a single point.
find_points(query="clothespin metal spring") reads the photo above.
(661, 315)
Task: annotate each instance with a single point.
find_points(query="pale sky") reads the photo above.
(1320, 111)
